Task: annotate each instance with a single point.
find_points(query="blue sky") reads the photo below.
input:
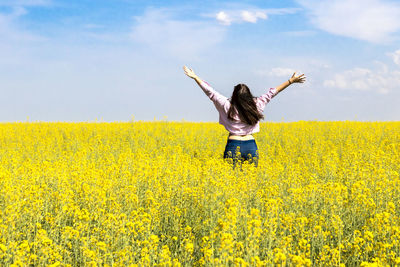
(111, 60)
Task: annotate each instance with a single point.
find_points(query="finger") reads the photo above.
(293, 74)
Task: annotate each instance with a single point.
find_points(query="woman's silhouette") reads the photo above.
(241, 114)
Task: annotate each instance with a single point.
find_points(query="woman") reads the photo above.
(241, 114)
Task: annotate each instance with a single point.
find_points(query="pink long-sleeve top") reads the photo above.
(223, 104)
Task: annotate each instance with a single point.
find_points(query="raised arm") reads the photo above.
(265, 98)
(294, 79)
(218, 99)
(190, 73)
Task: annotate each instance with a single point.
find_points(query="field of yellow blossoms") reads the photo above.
(160, 194)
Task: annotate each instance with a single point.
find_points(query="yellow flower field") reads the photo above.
(160, 194)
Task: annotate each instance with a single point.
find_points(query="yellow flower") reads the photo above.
(159, 193)
(189, 247)
(3, 248)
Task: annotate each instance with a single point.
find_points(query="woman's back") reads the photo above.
(223, 104)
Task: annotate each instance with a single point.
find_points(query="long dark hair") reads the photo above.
(243, 102)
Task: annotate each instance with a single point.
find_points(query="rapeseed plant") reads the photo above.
(160, 194)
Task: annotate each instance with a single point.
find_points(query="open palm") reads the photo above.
(189, 72)
(297, 79)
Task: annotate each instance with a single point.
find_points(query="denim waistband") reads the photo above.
(241, 141)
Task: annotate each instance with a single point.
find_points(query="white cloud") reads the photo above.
(253, 16)
(381, 80)
(182, 39)
(396, 57)
(370, 20)
(223, 18)
(281, 72)
(18, 9)
(228, 17)
(277, 72)
(238, 16)
(9, 30)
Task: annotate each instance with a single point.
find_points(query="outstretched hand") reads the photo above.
(297, 79)
(189, 72)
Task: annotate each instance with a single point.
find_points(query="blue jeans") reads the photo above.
(240, 150)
